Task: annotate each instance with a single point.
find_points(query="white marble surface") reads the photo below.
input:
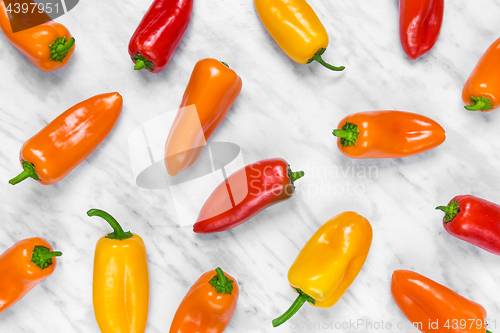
(284, 110)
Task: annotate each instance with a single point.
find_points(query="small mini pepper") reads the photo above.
(387, 134)
(432, 307)
(209, 304)
(329, 262)
(120, 289)
(159, 34)
(64, 143)
(419, 25)
(473, 220)
(245, 193)
(210, 93)
(296, 28)
(48, 46)
(23, 266)
(482, 90)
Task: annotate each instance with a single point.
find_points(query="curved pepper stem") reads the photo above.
(60, 48)
(141, 62)
(225, 64)
(317, 57)
(479, 103)
(118, 232)
(28, 172)
(451, 211)
(299, 301)
(348, 134)
(221, 283)
(42, 257)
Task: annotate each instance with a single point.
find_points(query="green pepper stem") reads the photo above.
(297, 304)
(479, 103)
(139, 65)
(225, 64)
(488, 331)
(348, 134)
(317, 57)
(142, 62)
(296, 175)
(41, 256)
(60, 48)
(451, 211)
(118, 232)
(221, 283)
(66, 46)
(29, 171)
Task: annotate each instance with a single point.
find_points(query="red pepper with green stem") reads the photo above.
(419, 25)
(159, 34)
(473, 220)
(245, 193)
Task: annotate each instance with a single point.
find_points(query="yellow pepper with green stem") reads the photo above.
(329, 262)
(120, 291)
(296, 28)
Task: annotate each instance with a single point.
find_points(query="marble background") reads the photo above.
(284, 110)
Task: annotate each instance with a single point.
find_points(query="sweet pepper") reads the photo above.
(329, 262)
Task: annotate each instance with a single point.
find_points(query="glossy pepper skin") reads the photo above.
(48, 46)
(159, 33)
(208, 306)
(212, 89)
(329, 262)
(120, 289)
(247, 192)
(419, 25)
(473, 220)
(387, 134)
(64, 143)
(22, 267)
(482, 89)
(424, 301)
(296, 28)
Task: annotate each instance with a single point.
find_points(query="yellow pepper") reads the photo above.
(329, 262)
(120, 290)
(296, 28)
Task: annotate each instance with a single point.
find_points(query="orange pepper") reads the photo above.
(431, 307)
(387, 134)
(48, 46)
(208, 306)
(23, 266)
(64, 143)
(212, 89)
(482, 89)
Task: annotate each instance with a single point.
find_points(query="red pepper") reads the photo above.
(245, 193)
(159, 33)
(473, 220)
(419, 25)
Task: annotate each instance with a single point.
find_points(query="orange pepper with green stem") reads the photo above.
(432, 307)
(212, 90)
(48, 46)
(330, 261)
(387, 134)
(208, 306)
(22, 267)
(482, 89)
(120, 289)
(63, 144)
(296, 28)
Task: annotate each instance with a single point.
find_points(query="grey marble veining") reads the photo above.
(284, 110)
